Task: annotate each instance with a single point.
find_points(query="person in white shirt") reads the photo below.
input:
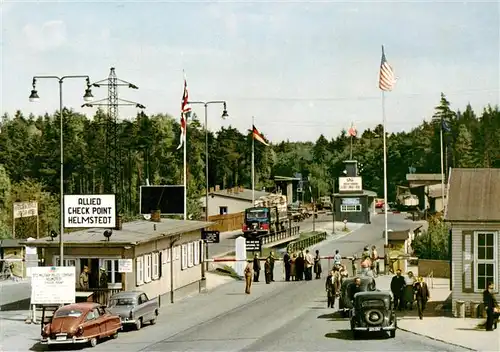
(309, 265)
(337, 259)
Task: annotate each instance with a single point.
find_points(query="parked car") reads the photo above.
(80, 323)
(134, 308)
(373, 312)
(345, 304)
(379, 204)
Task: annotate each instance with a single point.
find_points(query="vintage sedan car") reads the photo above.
(345, 304)
(80, 323)
(373, 312)
(134, 308)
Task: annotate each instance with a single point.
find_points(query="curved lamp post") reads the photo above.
(34, 97)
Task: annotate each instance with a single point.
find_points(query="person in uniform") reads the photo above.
(103, 278)
(422, 295)
(317, 265)
(397, 286)
(491, 307)
(268, 270)
(288, 266)
(84, 278)
(375, 261)
(248, 277)
(256, 267)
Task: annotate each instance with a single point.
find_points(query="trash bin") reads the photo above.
(460, 309)
(474, 309)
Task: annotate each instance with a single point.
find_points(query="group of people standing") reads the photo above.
(407, 290)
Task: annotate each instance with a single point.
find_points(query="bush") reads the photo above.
(433, 243)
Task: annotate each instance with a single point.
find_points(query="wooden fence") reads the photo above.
(228, 222)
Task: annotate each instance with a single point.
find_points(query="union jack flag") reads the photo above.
(185, 111)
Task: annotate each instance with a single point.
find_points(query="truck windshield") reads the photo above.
(257, 214)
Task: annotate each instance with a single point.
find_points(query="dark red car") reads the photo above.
(80, 323)
(379, 204)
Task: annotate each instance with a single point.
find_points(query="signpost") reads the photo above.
(125, 266)
(84, 211)
(25, 210)
(350, 184)
(210, 236)
(53, 284)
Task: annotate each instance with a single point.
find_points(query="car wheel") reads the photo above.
(93, 342)
(393, 333)
(138, 324)
(153, 321)
(115, 335)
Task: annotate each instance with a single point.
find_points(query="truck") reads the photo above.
(405, 200)
(269, 214)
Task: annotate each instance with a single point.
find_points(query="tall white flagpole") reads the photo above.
(386, 206)
(442, 163)
(253, 164)
(185, 169)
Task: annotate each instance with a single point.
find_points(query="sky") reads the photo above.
(301, 68)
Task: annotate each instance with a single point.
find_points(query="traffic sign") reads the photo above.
(210, 236)
(253, 245)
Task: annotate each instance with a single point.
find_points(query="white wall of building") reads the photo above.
(234, 205)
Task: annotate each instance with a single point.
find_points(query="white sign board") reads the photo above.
(89, 211)
(350, 184)
(53, 284)
(125, 266)
(25, 209)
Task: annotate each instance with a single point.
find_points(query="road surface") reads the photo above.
(282, 316)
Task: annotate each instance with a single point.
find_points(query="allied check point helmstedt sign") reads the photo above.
(87, 211)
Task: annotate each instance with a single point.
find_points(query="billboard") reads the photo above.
(168, 199)
(53, 284)
(86, 210)
(25, 209)
(350, 184)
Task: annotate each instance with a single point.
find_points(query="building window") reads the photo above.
(196, 253)
(111, 266)
(67, 262)
(222, 210)
(139, 270)
(184, 257)
(190, 248)
(166, 256)
(350, 208)
(147, 268)
(486, 259)
(176, 252)
(156, 265)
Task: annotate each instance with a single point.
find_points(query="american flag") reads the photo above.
(185, 111)
(386, 76)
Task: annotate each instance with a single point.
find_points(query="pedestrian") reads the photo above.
(397, 286)
(268, 270)
(337, 258)
(491, 307)
(422, 295)
(366, 253)
(271, 262)
(288, 266)
(293, 271)
(353, 265)
(299, 267)
(409, 296)
(248, 276)
(317, 265)
(343, 273)
(84, 278)
(375, 261)
(103, 278)
(256, 267)
(330, 287)
(354, 288)
(309, 262)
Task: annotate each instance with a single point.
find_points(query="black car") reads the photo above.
(373, 312)
(345, 304)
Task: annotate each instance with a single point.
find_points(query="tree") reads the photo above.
(433, 243)
(463, 148)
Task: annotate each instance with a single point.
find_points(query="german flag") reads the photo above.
(258, 136)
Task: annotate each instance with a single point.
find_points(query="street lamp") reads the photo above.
(34, 97)
(224, 115)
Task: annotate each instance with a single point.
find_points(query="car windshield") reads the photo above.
(257, 214)
(122, 302)
(71, 313)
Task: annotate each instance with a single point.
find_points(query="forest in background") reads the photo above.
(29, 157)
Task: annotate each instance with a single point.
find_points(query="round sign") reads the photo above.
(345, 221)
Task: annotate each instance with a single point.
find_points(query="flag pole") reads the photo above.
(351, 149)
(386, 237)
(442, 161)
(253, 164)
(185, 170)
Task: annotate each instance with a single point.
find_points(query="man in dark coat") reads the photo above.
(422, 295)
(271, 263)
(331, 285)
(299, 267)
(491, 307)
(256, 267)
(268, 270)
(398, 284)
(354, 288)
(288, 266)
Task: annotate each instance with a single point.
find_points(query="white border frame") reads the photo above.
(494, 261)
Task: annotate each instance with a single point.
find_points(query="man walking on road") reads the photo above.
(256, 267)
(398, 284)
(288, 266)
(271, 263)
(248, 277)
(422, 295)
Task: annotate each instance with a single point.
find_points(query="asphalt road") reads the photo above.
(283, 316)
